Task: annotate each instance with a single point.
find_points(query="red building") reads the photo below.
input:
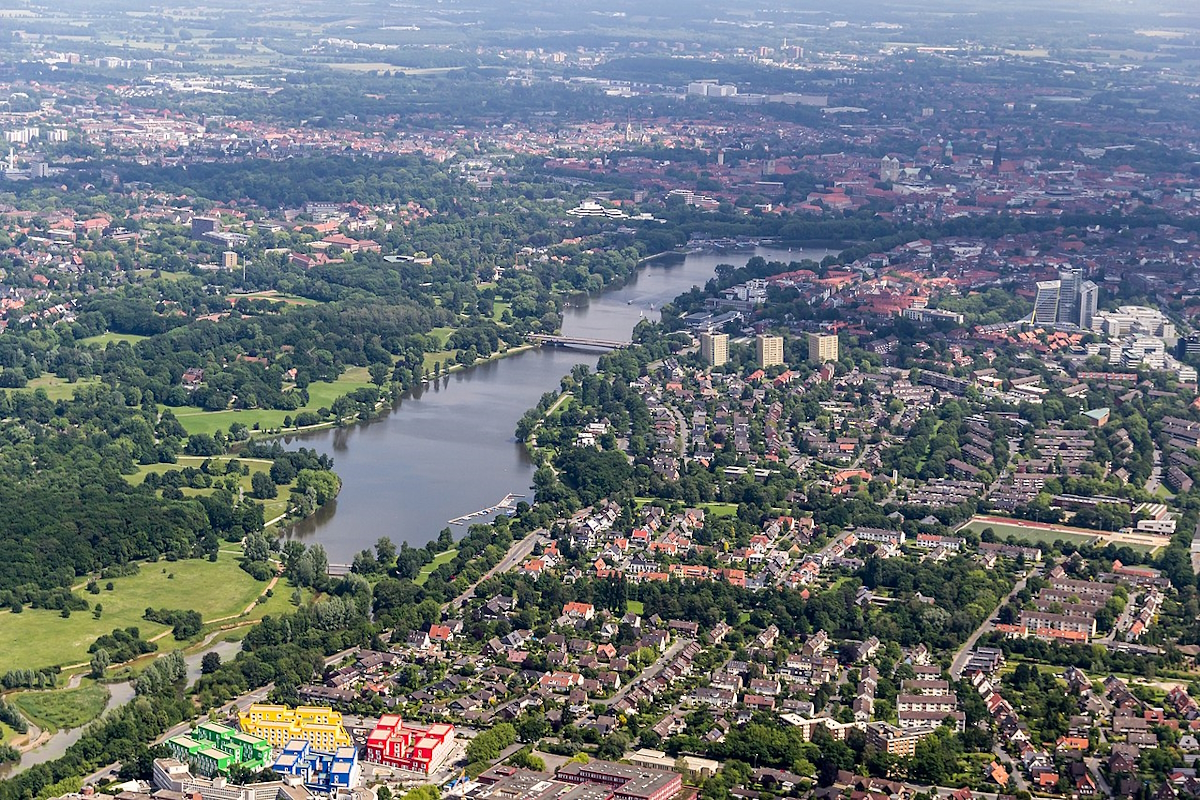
(418, 748)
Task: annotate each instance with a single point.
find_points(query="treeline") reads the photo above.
(31, 678)
(122, 645)
(184, 624)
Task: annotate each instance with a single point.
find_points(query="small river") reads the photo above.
(118, 695)
(449, 449)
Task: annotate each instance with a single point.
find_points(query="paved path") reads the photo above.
(519, 551)
(650, 673)
(964, 653)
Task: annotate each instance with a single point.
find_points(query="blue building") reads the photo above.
(320, 771)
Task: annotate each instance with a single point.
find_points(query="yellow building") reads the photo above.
(714, 348)
(321, 727)
(822, 347)
(769, 350)
(229, 259)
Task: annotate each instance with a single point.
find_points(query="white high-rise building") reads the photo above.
(1088, 298)
(1045, 305)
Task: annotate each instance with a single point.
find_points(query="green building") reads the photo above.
(213, 749)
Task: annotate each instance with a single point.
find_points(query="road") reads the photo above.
(650, 673)
(1018, 780)
(519, 551)
(964, 653)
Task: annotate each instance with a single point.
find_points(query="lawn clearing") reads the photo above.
(39, 638)
(57, 388)
(105, 339)
(320, 395)
(634, 607)
(272, 508)
(427, 570)
(274, 296)
(7, 734)
(63, 709)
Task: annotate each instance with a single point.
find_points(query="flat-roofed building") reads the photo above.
(822, 347)
(320, 726)
(769, 350)
(714, 348)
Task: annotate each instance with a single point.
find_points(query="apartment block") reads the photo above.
(769, 350)
(714, 348)
(320, 726)
(417, 748)
(822, 347)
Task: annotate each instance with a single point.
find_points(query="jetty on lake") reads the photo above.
(508, 505)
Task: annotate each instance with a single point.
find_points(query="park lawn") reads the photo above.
(58, 388)
(443, 333)
(7, 734)
(272, 508)
(498, 309)
(39, 638)
(105, 339)
(439, 357)
(320, 395)
(427, 570)
(63, 708)
(634, 607)
(163, 275)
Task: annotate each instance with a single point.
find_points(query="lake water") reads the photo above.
(449, 449)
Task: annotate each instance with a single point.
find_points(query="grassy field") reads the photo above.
(320, 394)
(7, 734)
(634, 607)
(428, 569)
(58, 388)
(41, 638)
(271, 508)
(64, 709)
(275, 296)
(1025, 534)
(105, 339)
(710, 509)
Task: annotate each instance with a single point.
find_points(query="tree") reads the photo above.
(262, 487)
(380, 372)
(385, 552)
(100, 663)
(210, 663)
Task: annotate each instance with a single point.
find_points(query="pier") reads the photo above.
(507, 505)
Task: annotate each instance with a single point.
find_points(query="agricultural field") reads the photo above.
(219, 590)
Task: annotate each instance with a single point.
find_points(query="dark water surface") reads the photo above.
(449, 449)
